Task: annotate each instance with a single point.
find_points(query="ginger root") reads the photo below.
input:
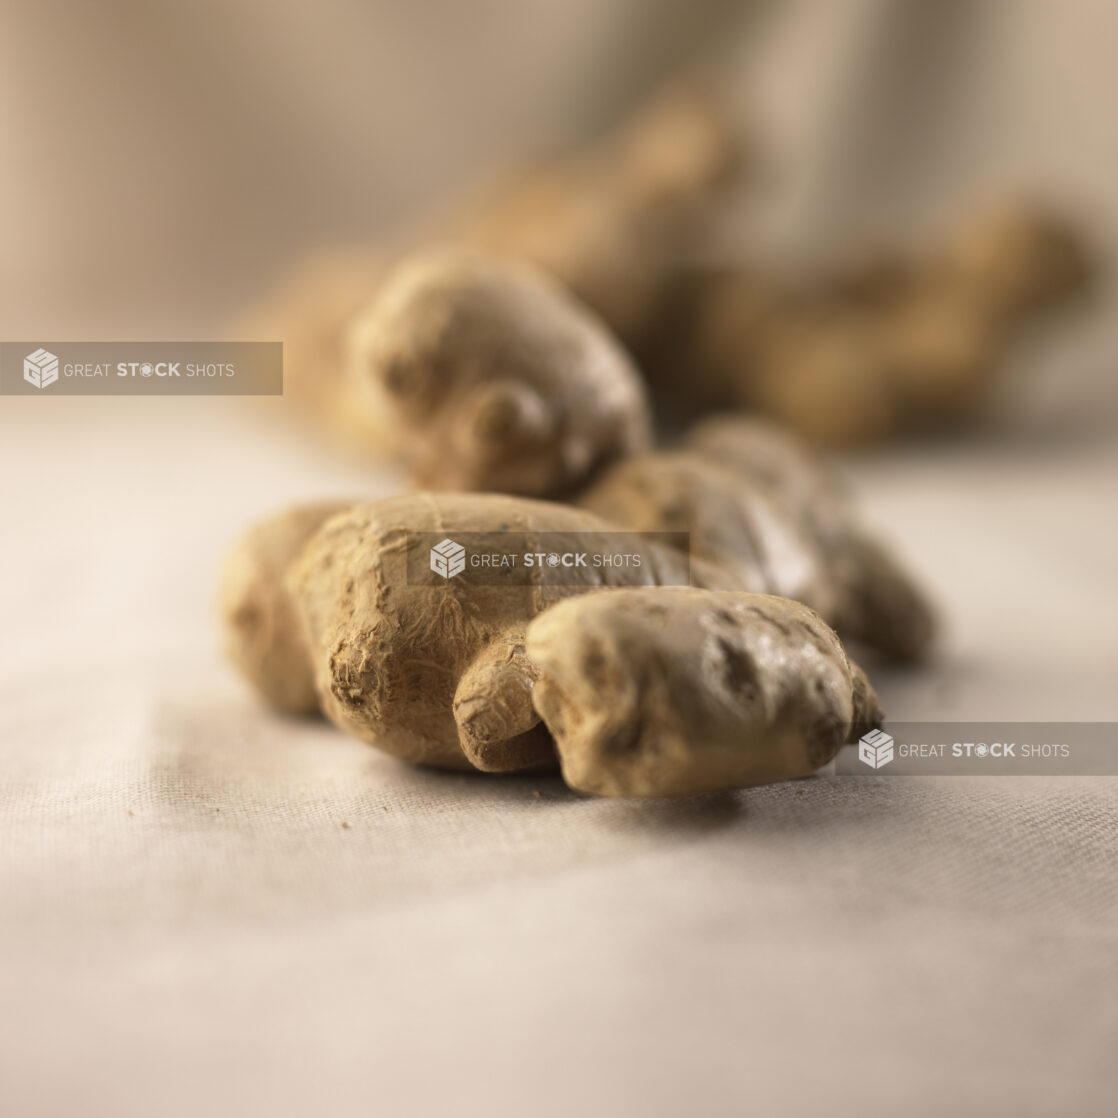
(655, 688)
(320, 614)
(888, 343)
(756, 503)
(1016, 258)
(613, 220)
(610, 221)
(494, 379)
(676, 691)
(652, 688)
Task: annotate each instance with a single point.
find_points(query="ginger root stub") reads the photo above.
(676, 691)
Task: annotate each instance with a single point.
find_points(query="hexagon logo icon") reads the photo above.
(40, 368)
(875, 749)
(448, 558)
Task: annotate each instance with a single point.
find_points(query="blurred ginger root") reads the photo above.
(897, 340)
(614, 220)
(609, 221)
(885, 344)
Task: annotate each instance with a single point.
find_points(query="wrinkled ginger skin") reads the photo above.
(679, 691)
(262, 632)
(437, 674)
(494, 379)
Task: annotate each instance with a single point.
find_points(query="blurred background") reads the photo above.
(163, 161)
(172, 857)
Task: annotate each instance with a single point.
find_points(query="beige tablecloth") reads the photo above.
(208, 909)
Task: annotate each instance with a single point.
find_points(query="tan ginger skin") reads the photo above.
(677, 691)
(493, 378)
(434, 675)
(756, 503)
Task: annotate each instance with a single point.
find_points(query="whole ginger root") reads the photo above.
(494, 379)
(755, 502)
(677, 691)
(494, 675)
